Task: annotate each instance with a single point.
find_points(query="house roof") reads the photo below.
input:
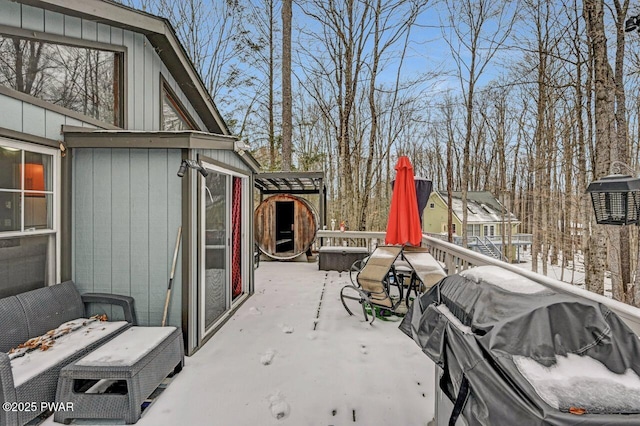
(161, 35)
(482, 207)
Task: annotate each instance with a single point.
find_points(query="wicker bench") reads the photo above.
(113, 381)
(33, 377)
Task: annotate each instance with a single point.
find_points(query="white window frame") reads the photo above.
(55, 193)
(474, 230)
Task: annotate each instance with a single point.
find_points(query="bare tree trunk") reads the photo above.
(582, 216)
(270, 107)
(448, 111)
(287, 124)
(604, 141)
(621, 288)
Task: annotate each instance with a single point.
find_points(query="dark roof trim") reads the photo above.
(163, 38)
(60, 39)
(25, 137)
(248, 159)
(291, 175)
(222, 165)
(82, 137)
(290, 182)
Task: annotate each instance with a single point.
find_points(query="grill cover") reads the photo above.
(487, 327)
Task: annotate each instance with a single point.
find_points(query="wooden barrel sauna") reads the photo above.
(285, 226)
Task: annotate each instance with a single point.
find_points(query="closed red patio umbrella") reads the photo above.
(404, 226)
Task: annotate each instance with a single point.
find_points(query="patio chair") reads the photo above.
(374, 281)
(425, 268)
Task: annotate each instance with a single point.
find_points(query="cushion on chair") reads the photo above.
(375, 272)
(426, 267)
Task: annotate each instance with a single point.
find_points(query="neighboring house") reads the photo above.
(486, 216)
(99, 106)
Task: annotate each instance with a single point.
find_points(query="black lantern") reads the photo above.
(616, 199)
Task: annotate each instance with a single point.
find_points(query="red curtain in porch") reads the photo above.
(236, 241)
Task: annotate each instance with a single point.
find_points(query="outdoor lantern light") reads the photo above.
(632, 24)
(616, 199)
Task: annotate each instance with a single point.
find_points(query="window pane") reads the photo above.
(81, 79)
(37, 172)
(215, 279)
(38, 211)
(9, 211)
(10, 160)
(26, 263)
(172, 117)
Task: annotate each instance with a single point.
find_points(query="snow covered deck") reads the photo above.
(291, 355)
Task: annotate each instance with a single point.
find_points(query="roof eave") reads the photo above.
(83, 137)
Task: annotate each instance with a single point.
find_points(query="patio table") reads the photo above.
(113, 381)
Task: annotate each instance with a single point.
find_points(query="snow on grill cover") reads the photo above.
(531, 356)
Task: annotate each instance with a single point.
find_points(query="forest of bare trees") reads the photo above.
(528, 99)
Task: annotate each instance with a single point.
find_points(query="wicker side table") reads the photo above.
(114, 380)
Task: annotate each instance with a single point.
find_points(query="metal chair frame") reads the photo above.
(391, 278)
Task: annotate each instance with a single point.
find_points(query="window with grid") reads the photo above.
(28, 229)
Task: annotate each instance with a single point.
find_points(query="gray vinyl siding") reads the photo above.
(27, 118)
(127, 210)
(144, 67)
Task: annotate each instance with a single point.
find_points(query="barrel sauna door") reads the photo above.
(285, 226)
(223, 262)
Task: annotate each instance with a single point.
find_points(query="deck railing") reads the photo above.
(516, 239)
(350, 238)
(456, 258)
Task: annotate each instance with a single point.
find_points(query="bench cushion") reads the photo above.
(127, 348)
(65, 347)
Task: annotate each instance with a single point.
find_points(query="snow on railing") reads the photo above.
(456, 258)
